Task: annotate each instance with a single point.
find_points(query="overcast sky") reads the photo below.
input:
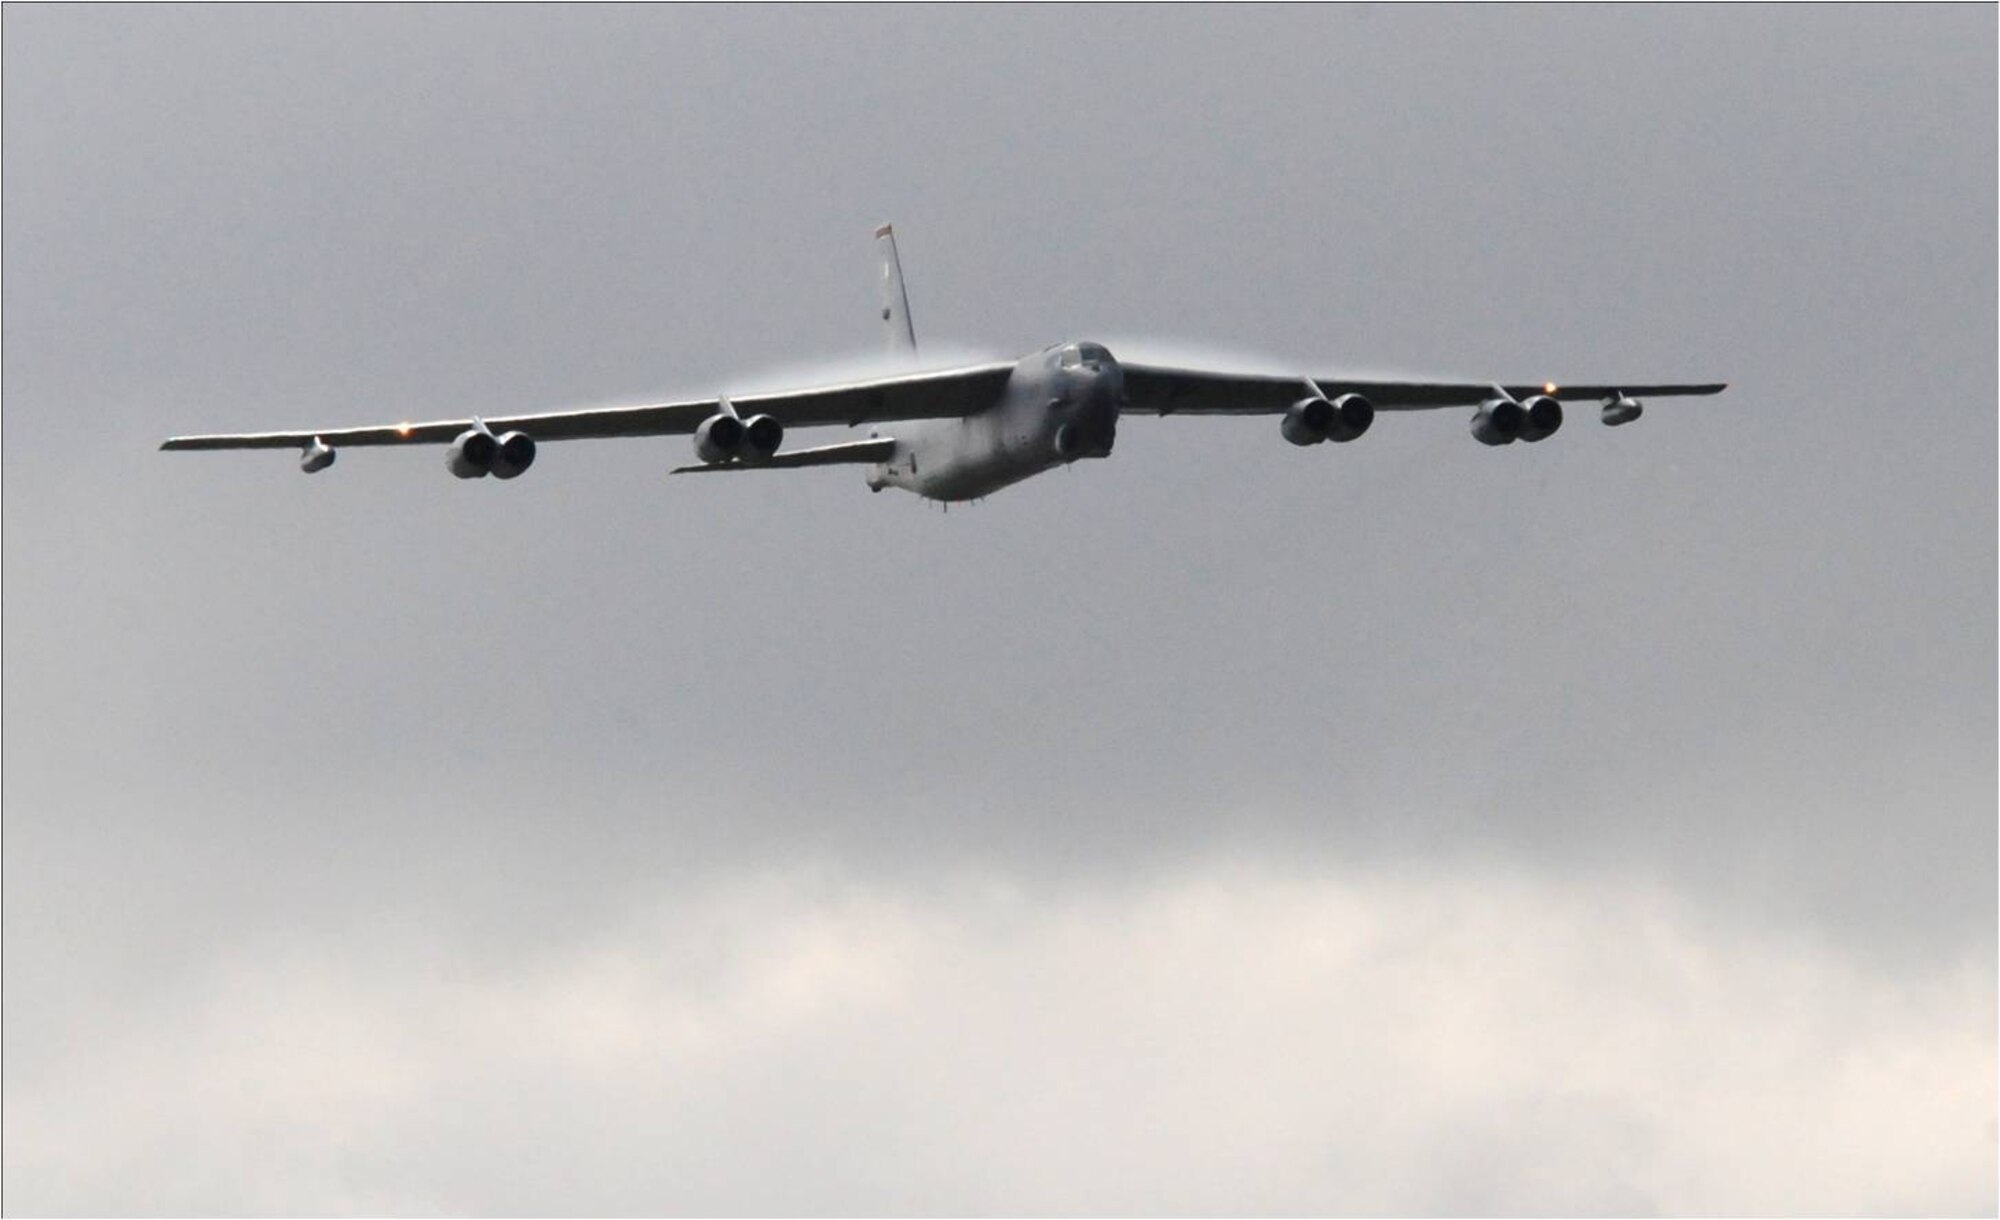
(1405, 826)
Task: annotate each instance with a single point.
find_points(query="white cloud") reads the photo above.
(1230, 1039)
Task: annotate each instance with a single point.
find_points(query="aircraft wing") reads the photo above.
(1168, 391)
(945, 394)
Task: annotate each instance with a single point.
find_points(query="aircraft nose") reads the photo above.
(1099, 417)
(1107, 380)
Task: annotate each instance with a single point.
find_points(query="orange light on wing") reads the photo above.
(1548, 387)
(402, 429)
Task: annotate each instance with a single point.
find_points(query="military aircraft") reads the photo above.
(963, 433)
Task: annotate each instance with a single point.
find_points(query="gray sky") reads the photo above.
(1397, 827)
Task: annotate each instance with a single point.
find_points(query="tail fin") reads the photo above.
(895, 302)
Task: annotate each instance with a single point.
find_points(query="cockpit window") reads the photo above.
(1083, 353)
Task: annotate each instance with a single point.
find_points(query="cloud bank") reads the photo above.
(1221, 1038)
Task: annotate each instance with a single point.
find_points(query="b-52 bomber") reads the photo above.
(961, 433)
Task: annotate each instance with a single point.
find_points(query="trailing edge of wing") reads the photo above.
(1170, 391)
(850, 452)
(944, 394)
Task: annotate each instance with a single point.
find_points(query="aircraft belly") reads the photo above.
(975, 456)
(979, 466)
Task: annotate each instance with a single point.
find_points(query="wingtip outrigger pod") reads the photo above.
(1620, 408)
(316, 456)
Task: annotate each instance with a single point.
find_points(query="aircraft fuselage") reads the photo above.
(1060, 404)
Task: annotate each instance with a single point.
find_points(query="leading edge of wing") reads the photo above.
(1173, 391)
(937, 394)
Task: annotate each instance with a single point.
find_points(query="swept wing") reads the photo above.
(1158, 390)
(945, 394)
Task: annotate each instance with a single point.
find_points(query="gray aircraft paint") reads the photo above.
(968, 431)
(376, 842)
(896, 322)
(1060, 405)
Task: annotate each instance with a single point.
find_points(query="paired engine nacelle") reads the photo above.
(516, 452)
(471, 455)
(1312, 420)
(724, 436)
(718, 438)
(1541, 415)
(1502, 421)
(477, 453)
(761, 437)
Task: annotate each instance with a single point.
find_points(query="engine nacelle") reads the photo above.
(1351, 416)
(761, 437)
(318, 455)
(1541, 415)
(718, 438)
(512, 454)
(1312, 420)
(1307, 421)
(1621, 410)
(1497, 422)
(471, 455)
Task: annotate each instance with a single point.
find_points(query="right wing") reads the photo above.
(1156, 390)
(945, 394)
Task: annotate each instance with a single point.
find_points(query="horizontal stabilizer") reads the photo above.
(847, 453)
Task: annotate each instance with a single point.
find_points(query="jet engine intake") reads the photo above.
(471, 455)
(1498, 421)
(1618, 409)
(718, 438)
(1351, 416)
(1541, 415)
(1307, 421)
(1312, 420)
(512, 454)
(761, 437)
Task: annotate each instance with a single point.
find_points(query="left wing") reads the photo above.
(1169, 391)
(946, 394)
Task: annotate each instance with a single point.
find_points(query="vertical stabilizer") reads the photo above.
(895, 302)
